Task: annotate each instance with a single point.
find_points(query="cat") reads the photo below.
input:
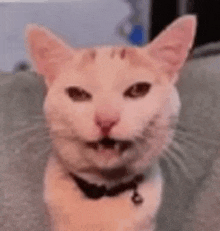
(111, 112)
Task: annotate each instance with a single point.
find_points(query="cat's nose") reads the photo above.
(106, 124)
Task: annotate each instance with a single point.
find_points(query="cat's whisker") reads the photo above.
(195, 137)
(46, 150)
(70, 138)
(192, 144)
(185, 134)
(26, 131)
(175, 161)
(180, 127)
(177, 152)
(175, 146)
(33, 139)
(37, 119)
(40, 119)
(64, 133)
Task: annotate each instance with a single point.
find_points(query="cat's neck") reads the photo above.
(67, 205)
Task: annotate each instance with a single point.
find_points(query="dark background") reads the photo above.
(207, 11)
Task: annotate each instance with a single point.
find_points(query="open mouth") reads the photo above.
(111, 144)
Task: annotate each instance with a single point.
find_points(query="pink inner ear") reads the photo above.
(42, 52)
(174, 55)
(171, 47)
(47, 51)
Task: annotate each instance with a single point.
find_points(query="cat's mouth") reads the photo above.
(110, 144)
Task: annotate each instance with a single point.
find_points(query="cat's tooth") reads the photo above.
(117, 147)
(100, 147)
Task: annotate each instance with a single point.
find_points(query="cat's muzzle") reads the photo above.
(107, 143)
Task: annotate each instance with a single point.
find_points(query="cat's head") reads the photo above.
(111, 107)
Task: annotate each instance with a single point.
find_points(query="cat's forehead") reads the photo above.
(108, 66)
(105, 51)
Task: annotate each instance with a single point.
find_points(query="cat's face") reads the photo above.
(111, 107)
(111, 98)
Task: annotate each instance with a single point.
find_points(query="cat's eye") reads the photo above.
(137, 90)
(78, 94)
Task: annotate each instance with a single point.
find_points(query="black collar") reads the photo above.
(95, 192)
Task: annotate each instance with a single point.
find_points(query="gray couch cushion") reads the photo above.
(24, 146)
(191, 165)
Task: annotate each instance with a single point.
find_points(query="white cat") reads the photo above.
(111, 112)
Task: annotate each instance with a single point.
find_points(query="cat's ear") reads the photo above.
(47, 51)
(171, 47)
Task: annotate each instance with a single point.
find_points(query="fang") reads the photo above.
(117, 147)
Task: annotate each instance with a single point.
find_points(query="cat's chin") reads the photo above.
(110, 159)
(105, 159)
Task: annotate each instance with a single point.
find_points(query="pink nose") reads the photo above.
(106, 124)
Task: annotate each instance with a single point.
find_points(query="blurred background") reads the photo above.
(99, 22)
